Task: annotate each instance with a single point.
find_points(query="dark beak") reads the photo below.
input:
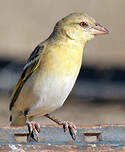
(98, 29)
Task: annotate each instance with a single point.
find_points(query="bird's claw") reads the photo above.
(66, 126)
(34, 128)
(71, 127)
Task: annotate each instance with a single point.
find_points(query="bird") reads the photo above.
(51, 72)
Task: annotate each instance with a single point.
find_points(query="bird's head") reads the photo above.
(79, 26)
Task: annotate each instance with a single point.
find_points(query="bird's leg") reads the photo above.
(66, 126)
(33, 127)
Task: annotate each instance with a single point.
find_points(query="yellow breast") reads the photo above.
(62, 60)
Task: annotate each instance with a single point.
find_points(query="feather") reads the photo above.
(31, 65)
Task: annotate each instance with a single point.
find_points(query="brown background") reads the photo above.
(25, 23)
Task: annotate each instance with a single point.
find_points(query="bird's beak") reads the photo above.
(98, 29)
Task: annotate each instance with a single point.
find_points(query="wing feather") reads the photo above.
(31, 65)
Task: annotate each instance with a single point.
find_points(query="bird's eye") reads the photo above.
(83, 24)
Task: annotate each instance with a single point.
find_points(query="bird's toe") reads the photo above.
(72, 130)
(34, 129)
(71, 127)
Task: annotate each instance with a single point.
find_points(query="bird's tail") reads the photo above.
(17, 119)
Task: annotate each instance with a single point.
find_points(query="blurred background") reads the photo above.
(99, 94)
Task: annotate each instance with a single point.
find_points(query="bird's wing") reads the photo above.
(31, 65)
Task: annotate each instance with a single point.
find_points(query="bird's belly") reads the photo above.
(50, 94)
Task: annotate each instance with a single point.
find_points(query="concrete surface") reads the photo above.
(52, 138)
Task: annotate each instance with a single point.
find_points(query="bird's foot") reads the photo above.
(66, 126)
(69, 126)
(34, 129)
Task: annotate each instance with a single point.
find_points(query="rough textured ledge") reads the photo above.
(52, 138)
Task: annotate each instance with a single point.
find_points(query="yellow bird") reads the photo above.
(51, 71)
